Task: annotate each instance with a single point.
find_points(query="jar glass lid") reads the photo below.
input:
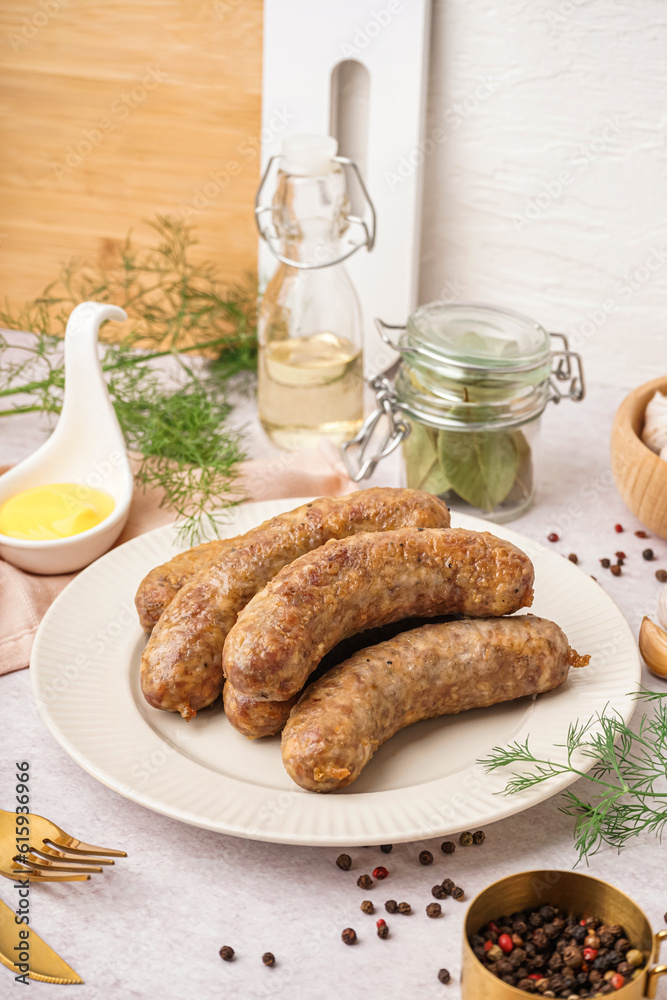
(480, 336)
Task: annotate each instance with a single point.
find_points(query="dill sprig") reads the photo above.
(625, 791)
(176, 307)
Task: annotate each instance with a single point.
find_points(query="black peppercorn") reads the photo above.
(517, 958)
(661, 575)
(364, 882)
(391, 906)
(527, 985)
(226, 953)
(622, 945)
(439, 892)
(534, 919)
(425, 858)
(458, 893)
(386, 848)
(404, 908)
(579, 934)
(616, 570)
(367, 906)
(269, 959)
(444, 976)
(605, 563)
(466, 839)
(556, 984)
(555, 962)
(344, 862)
(648, 554)
(349, 936)
(573, 557)
(382, 929)
(547, 913)
(433, 910)
(540, 939)
(573, 956)
(502, 968)
(448, 846)
(448, 886)
(478, 837)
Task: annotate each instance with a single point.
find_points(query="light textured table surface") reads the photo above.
(153, 925)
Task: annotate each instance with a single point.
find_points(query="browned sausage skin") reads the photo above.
(367, 580)
(342, 719)
(253, 717)
(367, 510)
(181, 668)
(159, 587)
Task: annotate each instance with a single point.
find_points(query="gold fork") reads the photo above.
(33, 848)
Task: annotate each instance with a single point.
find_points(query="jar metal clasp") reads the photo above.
(567, 368)
(387, 408)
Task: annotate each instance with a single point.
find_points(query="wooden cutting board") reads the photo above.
(117, 111)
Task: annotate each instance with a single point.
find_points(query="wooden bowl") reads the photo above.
(640, 475)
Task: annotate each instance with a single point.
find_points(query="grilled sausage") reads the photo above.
(159, 587)
(367, 580)
(255, 718)
(181, 668)
(341, 719)
(329, 517)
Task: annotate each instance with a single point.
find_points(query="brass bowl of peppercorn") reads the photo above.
(557, 934)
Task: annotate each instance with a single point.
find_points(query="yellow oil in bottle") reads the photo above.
(310, 387)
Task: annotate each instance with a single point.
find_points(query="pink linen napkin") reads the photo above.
(24, 597)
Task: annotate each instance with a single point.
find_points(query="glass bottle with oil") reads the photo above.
(310, 378)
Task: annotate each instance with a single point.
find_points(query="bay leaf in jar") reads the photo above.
(481, 466)
(422, 467)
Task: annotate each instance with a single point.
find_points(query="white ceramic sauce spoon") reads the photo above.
(86, 447)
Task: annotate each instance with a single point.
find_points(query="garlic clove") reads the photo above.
(654, 433)
(662, 607)
(653, 647)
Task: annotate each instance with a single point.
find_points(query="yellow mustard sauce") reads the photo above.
(57, 510)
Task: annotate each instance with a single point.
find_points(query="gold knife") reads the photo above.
(18, 942)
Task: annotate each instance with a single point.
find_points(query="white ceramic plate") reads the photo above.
(422, 783)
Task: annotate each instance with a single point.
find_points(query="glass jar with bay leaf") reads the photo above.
(470, 389)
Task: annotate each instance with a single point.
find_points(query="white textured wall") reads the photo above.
(549, 192)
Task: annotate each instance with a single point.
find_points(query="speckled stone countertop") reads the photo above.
(153, 925)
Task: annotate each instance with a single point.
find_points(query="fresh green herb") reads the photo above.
(626, 790)
(176, 307)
